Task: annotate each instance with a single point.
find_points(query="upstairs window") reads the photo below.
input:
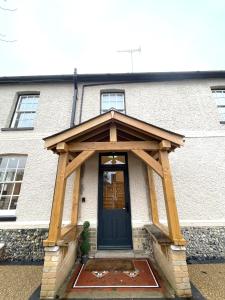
(25, 111)
(219, 96)
(11, 177)
(113, 100)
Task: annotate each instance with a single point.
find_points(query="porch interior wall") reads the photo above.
(140, 211)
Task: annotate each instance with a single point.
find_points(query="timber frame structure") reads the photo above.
(114, 132)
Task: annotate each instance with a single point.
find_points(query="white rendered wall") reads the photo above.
(53, 115)
(187, 107)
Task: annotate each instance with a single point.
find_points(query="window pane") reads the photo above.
(25, 111)
(13, 203)
(4, 202)
(10, 175)
(3, 162)
(2, 173)
(17, 189)
(13, 161)
(7, 189)
(112, 100)
(113, 160)
(113, 190)
(26, 120)
(19, 175)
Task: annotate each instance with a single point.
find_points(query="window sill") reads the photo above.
(7, 218)
(7, 215)
(17, 129)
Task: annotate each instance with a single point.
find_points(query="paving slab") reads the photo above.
(209, 279)
(19, 282)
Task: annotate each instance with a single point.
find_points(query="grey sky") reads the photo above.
(55, 36)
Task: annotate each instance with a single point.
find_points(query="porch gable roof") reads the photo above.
(130, 125)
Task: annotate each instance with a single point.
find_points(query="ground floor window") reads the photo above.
(11, 177)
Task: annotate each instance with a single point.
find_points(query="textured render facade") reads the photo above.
(183, 106)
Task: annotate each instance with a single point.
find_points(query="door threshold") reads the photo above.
(114, 254)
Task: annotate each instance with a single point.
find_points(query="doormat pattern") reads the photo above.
(109, 265)
(118, 279)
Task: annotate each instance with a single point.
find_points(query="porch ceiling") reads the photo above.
(128, 129)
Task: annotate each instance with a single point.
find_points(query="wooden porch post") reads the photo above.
(170, 201)
(76, 195)
(58, 200)
(153, 197)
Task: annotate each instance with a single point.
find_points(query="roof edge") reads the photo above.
(114, 77)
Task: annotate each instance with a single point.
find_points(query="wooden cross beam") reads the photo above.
(150, 161)
(114, 146)
(77, 161)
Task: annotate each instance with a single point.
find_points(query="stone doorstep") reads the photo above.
(119, 254)
(114, 254)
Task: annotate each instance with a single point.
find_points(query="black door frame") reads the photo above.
(123, 167)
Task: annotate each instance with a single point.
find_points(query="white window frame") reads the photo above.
(112, 94)
(216, 93)
(11, 212)
(18, 111)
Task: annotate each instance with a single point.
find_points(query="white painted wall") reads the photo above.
(186, 106)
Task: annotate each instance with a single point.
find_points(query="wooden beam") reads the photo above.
(58, 200)
(170, 201)
(77, 161)
(153, 197)
(165, 145)
(93, 134)
(113, 133)
(78, 130)
(62, 147)
(133, 133)
(76, 196)
(150, 161)
(114, 146)
(67, 230)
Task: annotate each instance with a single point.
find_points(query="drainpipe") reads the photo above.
(73, 114)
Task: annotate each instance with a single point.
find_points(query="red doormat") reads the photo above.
(142, 277)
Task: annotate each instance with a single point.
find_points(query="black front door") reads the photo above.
(114, 217)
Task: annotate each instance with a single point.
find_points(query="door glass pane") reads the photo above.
(113, 190)
(113, 160)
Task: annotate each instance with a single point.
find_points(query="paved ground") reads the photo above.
(19, 282)
(209, 279)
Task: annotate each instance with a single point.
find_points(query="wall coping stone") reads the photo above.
(158, 235)
(178, 248)
(51, 249)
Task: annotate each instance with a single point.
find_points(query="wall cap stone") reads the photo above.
(51, 249)
(178, 248)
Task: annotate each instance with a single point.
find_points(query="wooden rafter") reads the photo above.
(149, 128)
(93, 134)
(150, 161)
(133, 133)
(77, 161)
(122, 121)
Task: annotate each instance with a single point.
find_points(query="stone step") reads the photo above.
(114, 254)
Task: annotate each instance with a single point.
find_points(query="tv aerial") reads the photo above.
(131, 51)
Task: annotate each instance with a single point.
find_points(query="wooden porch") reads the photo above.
(114, 132)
